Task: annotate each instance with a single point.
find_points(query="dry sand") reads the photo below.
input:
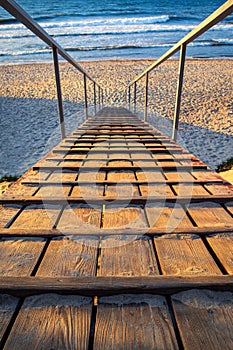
(206, 111)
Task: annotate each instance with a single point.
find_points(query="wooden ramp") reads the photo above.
(117, 239)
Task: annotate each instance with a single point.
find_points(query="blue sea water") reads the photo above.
(104, 29)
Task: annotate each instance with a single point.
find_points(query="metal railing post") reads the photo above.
(179, 92)
(59, 92)
(85, 96)
(135, 96)
(94, 97)
(146, 97)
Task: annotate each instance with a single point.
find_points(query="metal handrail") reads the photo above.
(22, 16)
(217, 16)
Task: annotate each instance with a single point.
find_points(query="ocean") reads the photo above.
(113, 29)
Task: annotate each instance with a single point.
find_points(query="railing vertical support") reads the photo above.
(179, 92)
(85, 96)
(146, 97)
(99, 97)
(94, 97)
(59, 93)
(129, 96)
(135, 96)
(102, 98)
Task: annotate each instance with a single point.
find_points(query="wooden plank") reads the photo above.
(62, 176)
(87, 191)
(70, 256)
(190, 190)
(102, 286)
(80, 217)
(205, 319)
(121, 175)
(222, 245)
(206, 175)
(124, 167)
(178, 176)
(141, 200)
(134, 322)
(18, 189)
(7, 213)
(152, 231)
(18, 256)
(120, 256)
(8, 305)
(91, 176)
(37, 217)
(156, 190)
(168, 217)
(53, 191)
(118, 191)
(150, 176)
(128, 217)
(220, 189)
(107, 182)
(184, 255)
(209, 214)
(229, 207)
(51, 321)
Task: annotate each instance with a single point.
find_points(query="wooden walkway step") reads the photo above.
(118, 239)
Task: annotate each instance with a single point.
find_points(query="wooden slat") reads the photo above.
(37, 217)
(26, 232)
(7, 307)
(118, 191)
(156, 190)
(53, 191)
(191, 190)
(134, 322)
(102, 286)
(18, 256)
(168, 217)
(80, 217)
(209, 214)
(141, 200)
(70, 256)
(205, 319)
(123, 167)
(135, 182)
(124, 218)
(62, 176)
(222, 245)
(184, 255)
(220, 189)
(52, 321)
(7, 213)
(87, 191)
(120, 256)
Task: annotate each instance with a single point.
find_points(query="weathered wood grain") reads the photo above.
(167, 216)
(134, 322)
(7, 213)
(7, 307)
(190, 190)
(184, 255)
(80, 217)
(127, 256)
(123, 218)
(19, 256)
(37, 217)
(51, 321)
(70, 256)
(205, 319)
(222, 245)
(209, 214)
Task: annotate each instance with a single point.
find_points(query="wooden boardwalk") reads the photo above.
(117, 239)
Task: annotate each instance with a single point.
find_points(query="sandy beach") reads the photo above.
(29, 123)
